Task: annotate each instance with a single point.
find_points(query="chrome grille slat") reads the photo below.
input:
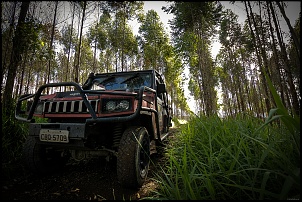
(57, 107)
(72, 106)
(76, 106)
(80, 106)
(64, 106)
(96, 106)
(49, 108)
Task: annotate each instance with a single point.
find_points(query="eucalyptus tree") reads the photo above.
(271, 52)
(35, 50)
(260, 51)
(294, 57)
(193, 26)
(234, 60)
(152, 40)
(98, 34)
(159, 54)
(77, 64)
(294, 35)
(86, 61)
(287, 66)
(68, 41)
(51, 40)
(122, 43)
(122, 12)
(8, 15)
(130, 49)
(276, 71)
(173, 69)
(17, 49)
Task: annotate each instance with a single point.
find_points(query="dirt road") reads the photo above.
(93, 179)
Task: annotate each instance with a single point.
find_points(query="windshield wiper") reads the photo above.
(130, 78)
(107, 79)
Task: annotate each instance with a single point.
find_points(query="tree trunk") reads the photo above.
(275, 53)
(79, 48)
(291, 29)
(70, 41)
(7, 43)
(18, 42)
(51, 42)
(258, 56)
(22, 74)
(293, 92)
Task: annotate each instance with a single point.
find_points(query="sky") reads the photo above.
(292, 13)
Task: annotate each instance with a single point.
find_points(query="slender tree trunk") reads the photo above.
(79, 48)
(50, 45)
(116, 49)
(123, 40)
(22, 74)
(249, 17)
(8, 42)
(18, 42)
(69, 47)
(28, 78)
(275, 53)
(293, 92)
(94, 57)
(291, 29)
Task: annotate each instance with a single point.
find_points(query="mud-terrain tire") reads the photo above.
(133, 157)
(42, 160)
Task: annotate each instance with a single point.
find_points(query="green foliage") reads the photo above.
(153, 40)
(292, 123)
(14, 134)
(218, 159)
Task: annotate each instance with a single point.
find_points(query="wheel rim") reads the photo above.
(144, 157)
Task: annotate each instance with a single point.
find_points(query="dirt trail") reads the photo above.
(93, 179)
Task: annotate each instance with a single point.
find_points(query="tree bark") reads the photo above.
(79, 48)
(18, 42)
(274, 46)
(50, 45)
(11, 29)
(258, 56)
(293, 92)
(291, 29)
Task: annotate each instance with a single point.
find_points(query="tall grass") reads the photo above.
(13, 136)
(214, 158)
(235, 158)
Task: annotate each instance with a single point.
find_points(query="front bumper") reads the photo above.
(76, 133)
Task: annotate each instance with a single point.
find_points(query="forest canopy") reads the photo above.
(56, 41)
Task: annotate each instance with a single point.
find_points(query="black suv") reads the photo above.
(113, 115)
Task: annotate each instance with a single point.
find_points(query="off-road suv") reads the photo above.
(113, 115)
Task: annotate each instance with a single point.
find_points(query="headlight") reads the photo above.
(123, 105)
(117, 105)
(110, 106)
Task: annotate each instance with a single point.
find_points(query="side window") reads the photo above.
(159, 95)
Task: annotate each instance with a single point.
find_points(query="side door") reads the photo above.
(160, 109)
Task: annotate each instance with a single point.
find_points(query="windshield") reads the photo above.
(127, 82)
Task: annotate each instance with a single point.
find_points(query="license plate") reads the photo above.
(47, 135)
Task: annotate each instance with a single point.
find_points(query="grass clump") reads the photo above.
(214, 158)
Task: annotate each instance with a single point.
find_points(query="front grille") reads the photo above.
(77, 106)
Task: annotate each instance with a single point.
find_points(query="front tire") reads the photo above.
(133, 157)
(41, 159)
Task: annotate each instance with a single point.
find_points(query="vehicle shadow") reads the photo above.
(93, 179)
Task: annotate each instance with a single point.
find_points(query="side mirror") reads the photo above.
(161, 88)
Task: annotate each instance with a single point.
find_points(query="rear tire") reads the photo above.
(133, 157)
